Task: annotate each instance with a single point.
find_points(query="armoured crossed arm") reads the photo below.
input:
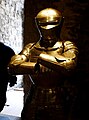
(65, 61)
(21, 57)
(19, 63)
(55, 61)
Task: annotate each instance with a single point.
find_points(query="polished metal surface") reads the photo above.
(48, 62)
(49, 18)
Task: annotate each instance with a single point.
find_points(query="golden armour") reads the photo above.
(47, 63)
(61, 54)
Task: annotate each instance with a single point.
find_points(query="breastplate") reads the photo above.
(44, 100)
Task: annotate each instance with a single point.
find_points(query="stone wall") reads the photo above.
(11, 19)
(11, 26)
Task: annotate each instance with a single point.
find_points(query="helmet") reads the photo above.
(48, 22)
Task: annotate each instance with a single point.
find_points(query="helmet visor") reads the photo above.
(48, 23)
